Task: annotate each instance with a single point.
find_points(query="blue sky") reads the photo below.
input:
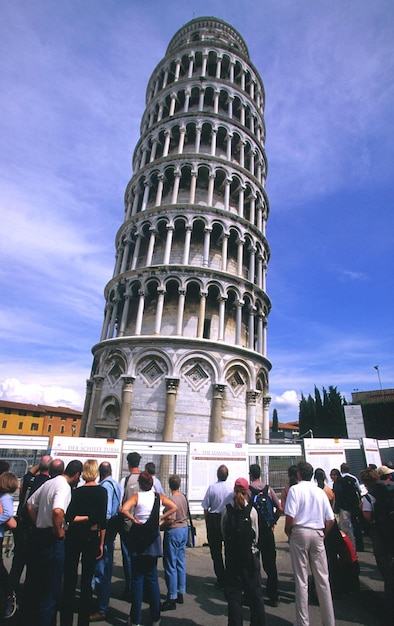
(73, 77)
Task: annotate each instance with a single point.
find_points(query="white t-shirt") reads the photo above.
(308, 505)
(53, 494)
(144, 505)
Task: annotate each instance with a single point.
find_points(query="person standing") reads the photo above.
(355, 513)
(47, 507)
(86, 517)
(151, 469)
(174, 547)
(8, 485)
(266, 542)
(32, 480)
(381, 513)
(104, 567)
(213, 505)
(309, 517)
(143, 509)
(240, 531)
(345, 491)
(128, 486)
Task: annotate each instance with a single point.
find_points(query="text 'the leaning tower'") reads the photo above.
(182, 354)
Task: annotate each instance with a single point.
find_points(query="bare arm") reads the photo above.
(170, 507)
(57, 523)
(328, 525)
(128, 505)
(289, 525)
(33, 513)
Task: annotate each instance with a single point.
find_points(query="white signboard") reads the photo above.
(205, 459)
(371, 451)
(83, 448)
(325, 453)
(354, 421)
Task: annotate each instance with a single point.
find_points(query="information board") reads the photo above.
(354, 421)
(371, 451)
(83, 448)
(325, 453)
(205, 459)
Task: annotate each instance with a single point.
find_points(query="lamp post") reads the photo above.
(376, 367)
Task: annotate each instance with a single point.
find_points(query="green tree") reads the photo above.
(325, 417)
(275, 421)
(307, 414)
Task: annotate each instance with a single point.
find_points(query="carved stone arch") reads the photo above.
(215, 252)
(107, 424)
(143, 356)
(206, 137)
(262, 381)
(190, 136)
(216, 284)
(197, 371)
(238, 378)
(133, 293)
(115, 366)
(203, 174)
(152, 367)
(151, 288)
(160, 226)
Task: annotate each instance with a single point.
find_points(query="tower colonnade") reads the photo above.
(183, 347)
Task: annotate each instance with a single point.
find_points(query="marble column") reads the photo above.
(215, 431)
(125, 409)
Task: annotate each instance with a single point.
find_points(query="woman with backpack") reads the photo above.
(240, 529)
(144, 545)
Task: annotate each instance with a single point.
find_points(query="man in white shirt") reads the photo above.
(45, 559)
(213, 504)
(309, 517)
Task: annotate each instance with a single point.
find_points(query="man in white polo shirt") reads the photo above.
(45, 559)
(309, 517)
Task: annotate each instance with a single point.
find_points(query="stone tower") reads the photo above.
(182, 354)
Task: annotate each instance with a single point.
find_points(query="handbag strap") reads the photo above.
(188, 512)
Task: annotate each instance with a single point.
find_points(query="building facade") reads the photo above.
(182, 354)
(17, 418)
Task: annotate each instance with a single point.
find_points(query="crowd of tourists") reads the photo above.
(69, 517)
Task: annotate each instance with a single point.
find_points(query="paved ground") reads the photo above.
(205, 605)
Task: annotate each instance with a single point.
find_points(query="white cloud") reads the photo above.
(14, 390)
(287, 400)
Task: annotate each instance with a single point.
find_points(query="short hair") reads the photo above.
(145, 481)
(305, 469)
(73, 467)
(90, 470)
(45, 462)
(105, 469)
(292, 474)
(175, 482)
(8, 482)
(4, 466)
(255, 471)
(369, 477)
(56, 467)
(151, 468)
(222, 473)
(133, 459)
(345, 468)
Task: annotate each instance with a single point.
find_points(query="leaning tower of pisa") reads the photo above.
(182, 353)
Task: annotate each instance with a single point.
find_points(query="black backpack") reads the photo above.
(239, 536)
(384, 510)
(264, 506)
(349, 496)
